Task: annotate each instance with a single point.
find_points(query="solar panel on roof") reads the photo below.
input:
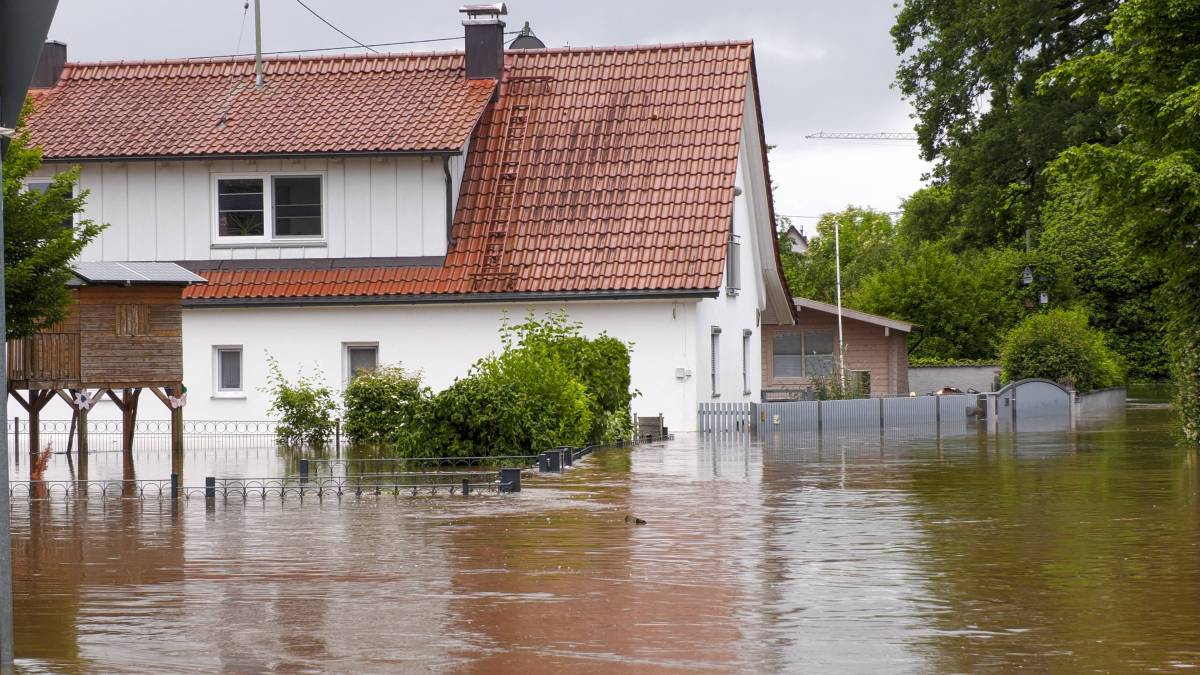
(135, 273)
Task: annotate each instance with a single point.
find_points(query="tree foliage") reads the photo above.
(971, 71)
(38, 246)
(305, 408)
(1059, 345)
(866, 240)
(381, 403)
(1149, 79)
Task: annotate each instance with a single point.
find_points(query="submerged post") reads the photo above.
(510, 480)
(174, 486)
(466, 487)
(210, 488)
(303, 470)
(568, 456)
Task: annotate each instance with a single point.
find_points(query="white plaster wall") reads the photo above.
(735, 313)
(374, 207)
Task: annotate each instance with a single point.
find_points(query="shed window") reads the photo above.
(291, 204)
(229, 368)
(818, 353)
(361, 358)
(787, 356)
(131, 320)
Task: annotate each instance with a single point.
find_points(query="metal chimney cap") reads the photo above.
(472, 11)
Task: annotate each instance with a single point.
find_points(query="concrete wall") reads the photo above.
(924, 379)
(1100, 402)
(373, 207)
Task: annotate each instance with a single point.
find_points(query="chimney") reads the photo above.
(50, 65)
(484, 32)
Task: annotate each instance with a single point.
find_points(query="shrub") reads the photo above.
(1059, 345)
(517, 403)
(305, 410)
(379, 404)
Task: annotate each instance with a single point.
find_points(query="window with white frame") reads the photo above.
(227, 367)
(746, 333)
(715, 345)
(261, 208)
(359, 358)
(42, 186)
(807, 354)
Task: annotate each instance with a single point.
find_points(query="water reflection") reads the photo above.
(1052, 551)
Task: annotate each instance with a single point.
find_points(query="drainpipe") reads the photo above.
(449, 203)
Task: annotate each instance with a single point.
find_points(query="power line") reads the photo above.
(324, 21)
(340, 47)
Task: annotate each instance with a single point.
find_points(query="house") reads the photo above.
(356, 210)
(795, 356)
(797, 239)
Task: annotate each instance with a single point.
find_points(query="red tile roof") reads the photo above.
(339, 104)
(596, 170)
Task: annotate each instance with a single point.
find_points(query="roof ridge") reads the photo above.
(383, 56)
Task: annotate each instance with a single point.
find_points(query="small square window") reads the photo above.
(229, 369)
(297, 206)
(42, 186)
(240, 207)
(361, 358)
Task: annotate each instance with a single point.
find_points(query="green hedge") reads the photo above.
(380, 404)
(1059, 345)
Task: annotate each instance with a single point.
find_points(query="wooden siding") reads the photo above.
(114, 337)
(373, 207)
(868, 347)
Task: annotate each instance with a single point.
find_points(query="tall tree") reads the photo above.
(866, 239)
(971, 69)
(1150, 79)
(39, 241)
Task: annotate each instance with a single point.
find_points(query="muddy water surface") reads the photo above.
(1048, 552)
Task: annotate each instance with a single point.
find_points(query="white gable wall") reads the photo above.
(165, 210)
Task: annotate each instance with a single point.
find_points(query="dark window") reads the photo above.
(229, 364)
(818, 353)
(715, 346)
(746, 333)
(361, 358)
(733, 273)
(297, 206)
(42, 187)
(240, 207)
(787, 356)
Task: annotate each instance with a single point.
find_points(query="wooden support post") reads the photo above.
(129, 399)
(165, 395)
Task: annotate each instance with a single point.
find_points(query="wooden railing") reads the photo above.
(45, 357)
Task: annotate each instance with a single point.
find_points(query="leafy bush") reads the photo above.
(305, 410)
(832, 388)
(1059, 345)
(517, 403)
(379, 404)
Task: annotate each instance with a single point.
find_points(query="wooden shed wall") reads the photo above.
(868, 347)
(149, 348)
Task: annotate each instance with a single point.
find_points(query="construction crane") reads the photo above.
(853, 136)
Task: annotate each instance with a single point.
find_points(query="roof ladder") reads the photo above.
(495, 271)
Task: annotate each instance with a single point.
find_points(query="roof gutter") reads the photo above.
(450, 299)
(263, 155)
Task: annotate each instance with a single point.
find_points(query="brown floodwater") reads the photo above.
(1051, 552)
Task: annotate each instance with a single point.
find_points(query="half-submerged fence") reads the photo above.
(106, 435)
(934, 414)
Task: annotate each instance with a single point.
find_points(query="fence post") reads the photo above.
(510, 480)
(543, 462)
(16, 437)
(937, 413)
(568, 456)
(818, 417)
(337, 435)
(174, 486)
(466, 487)
(210, 488)
(303, 470)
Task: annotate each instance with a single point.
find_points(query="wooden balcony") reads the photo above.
(44, 361)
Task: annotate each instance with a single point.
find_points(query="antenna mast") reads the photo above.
(259, 82)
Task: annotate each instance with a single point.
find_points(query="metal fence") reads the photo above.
(924, 414)
(148, 434)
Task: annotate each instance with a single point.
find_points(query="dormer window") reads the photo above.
(269, 209)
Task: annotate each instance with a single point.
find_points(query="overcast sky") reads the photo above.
(823, 65)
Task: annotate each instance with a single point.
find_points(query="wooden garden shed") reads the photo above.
(123, 335)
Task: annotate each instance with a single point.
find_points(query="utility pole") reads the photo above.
(23, 28)
(837, 257)
(259, 82)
